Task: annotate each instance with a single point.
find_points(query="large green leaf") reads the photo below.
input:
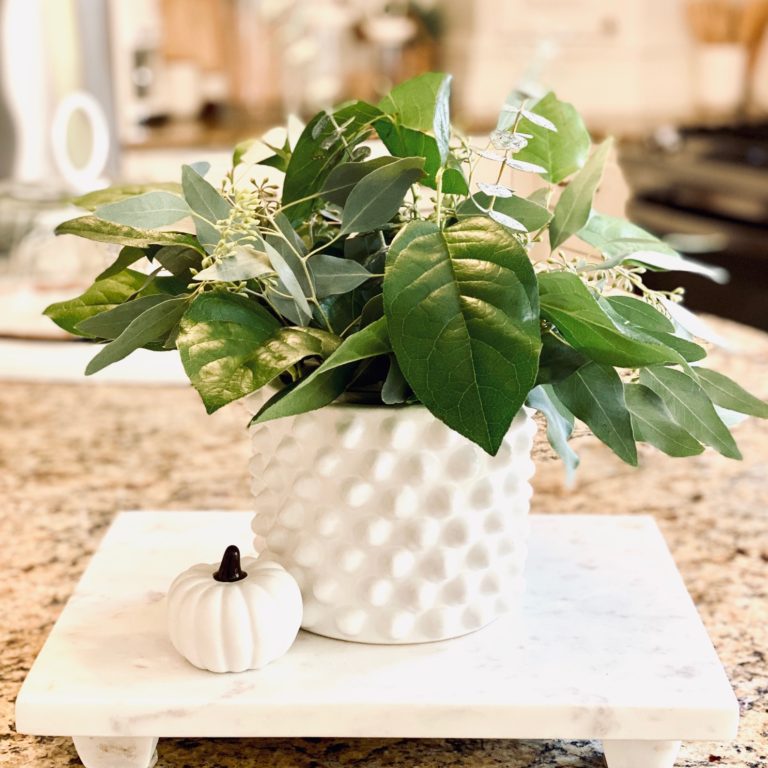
(377, 197)
(568, 304)
(333, 275)
(151, 325)
(207, 205)
(93, 200)
(635, 315)
(344, 176)
(152, 209)
(562, 152)
(690, 407)
(463, 317)
(316, 153)
(231, 346)
(653, 423)
(530, 214)
(93, 228)
(110, 324)
(418, 125)
(595, 394)
(575, 204)
(415, 102)
(102, 296)
(328, 381)
(559, 425)
(728, 394)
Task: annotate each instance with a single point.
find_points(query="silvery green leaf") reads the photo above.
(289, 279)
(153, 324)
(343, 178)
(488, 155)
(653, 423)
(521, 165)
(531, 215)
(506, 221)
(693, 323)
(730, 418)
(360, 153)
(329, 141)
(93, 200)
(94, 228)
(540, 120)
(519, 141)
(507, 140)
(152, 209)
(333, 275)
(616, 237)
(690, 407)
(575, 204)
(512, 109)
(441, 122)
(728, 394)
(207, 205)
(244, 264)
(559, 426)
(110, 324)
(376, 198)
(669, 262)
(201, 167)
(494, 190)
(292, 237)
(594, 394)
(319, 126)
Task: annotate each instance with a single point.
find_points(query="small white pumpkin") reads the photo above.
(228, 618)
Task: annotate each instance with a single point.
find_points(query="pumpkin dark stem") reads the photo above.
(229, 570)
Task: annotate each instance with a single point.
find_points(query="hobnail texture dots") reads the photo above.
(397, 529)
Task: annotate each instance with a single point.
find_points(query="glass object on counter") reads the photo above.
(35, 266)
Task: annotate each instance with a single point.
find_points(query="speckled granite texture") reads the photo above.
(70, 456)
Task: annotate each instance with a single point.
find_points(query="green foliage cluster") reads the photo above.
(399, 279)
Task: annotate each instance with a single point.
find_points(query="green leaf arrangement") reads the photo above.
(382, 271)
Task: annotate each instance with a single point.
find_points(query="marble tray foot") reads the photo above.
(113, 752)
(640, 754)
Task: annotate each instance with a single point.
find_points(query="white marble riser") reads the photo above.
(608, 645)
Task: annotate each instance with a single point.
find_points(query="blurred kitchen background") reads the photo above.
(94, 92)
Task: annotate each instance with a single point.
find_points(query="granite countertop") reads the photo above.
(72, 455)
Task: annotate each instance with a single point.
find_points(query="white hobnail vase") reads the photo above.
(397, 529)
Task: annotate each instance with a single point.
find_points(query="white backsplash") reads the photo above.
(625, 64)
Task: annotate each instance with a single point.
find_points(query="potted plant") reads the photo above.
(390, 306)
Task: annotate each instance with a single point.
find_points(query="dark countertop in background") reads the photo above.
(72, 455)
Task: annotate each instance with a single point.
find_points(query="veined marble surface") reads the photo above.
(608, 645)
(71, 456)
